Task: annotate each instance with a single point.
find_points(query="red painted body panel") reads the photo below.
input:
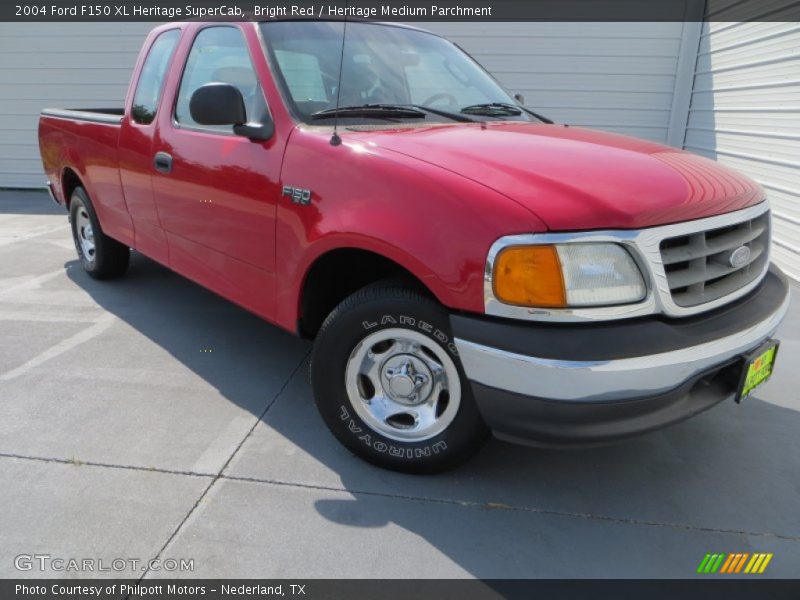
(577, 178)
(432, 199)
(89, 150)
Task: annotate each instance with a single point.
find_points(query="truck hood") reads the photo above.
(573, 178)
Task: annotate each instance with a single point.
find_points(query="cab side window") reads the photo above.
(151, 79)
(219, 54)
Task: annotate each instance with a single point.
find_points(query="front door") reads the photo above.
(216, 192)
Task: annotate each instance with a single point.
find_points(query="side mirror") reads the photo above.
(520, 99)
(222, 104)
(217, 104)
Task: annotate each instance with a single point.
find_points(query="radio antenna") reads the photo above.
(335, 139)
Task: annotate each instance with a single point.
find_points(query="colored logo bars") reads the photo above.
(734, 563)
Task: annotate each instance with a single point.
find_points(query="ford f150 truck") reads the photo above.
(463, 264)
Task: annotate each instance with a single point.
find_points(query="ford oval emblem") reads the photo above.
(739, 257)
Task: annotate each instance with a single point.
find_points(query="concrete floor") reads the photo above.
(121, 437)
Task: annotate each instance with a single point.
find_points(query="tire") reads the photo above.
(389, 385)
(101, 256)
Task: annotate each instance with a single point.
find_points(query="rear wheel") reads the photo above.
(101, 256)
(389, 385)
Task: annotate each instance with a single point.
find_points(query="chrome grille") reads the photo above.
(699, 266)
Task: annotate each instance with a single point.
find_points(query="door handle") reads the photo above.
(162, 162)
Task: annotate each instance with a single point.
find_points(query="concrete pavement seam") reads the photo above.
(219, 475)
(501, 506)
(90, 463)
(446, 501)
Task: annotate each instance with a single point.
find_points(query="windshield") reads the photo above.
(383, 65)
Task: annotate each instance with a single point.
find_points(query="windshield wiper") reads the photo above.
(502, 109)
(377, 111)
(443, 113)
(491, 109)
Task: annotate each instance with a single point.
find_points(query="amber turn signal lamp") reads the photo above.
(529, 276)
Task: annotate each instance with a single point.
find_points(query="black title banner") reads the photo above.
(403, 10)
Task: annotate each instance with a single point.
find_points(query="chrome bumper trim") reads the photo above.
(597, 381)
(51, 193)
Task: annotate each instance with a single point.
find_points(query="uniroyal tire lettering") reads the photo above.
(383, 447)
(344, 416)
(407, 321)
(369, 325)
(439, 335)
(426, 327)
(388, 319)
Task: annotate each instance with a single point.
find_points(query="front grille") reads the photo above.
(698, 265)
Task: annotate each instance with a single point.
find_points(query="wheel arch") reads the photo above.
(70, 180)
(335, 274)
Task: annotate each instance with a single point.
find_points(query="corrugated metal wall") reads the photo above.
(61, 65)
(614, 76)
(745, 112)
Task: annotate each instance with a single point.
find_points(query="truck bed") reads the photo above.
(83, 144)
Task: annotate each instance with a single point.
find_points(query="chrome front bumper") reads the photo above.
(592, 381)
(568, 384)
(51, 193)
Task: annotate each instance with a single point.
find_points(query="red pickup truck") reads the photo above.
(463, 264)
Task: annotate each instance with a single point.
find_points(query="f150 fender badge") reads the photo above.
(298, 195)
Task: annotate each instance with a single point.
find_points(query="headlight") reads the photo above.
(567, 275)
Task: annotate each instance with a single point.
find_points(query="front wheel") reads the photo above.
(389, 385)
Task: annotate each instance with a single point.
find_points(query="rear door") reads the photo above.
(136, 142)
(217, 195)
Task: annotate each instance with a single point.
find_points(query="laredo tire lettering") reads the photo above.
(438, 334)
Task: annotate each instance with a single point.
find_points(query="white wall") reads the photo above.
(745, 112)
(57, 65)
(615, 76)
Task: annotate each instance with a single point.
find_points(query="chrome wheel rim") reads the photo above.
(403, 385)
(84, 233)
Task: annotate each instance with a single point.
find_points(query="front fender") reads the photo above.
(434, 223)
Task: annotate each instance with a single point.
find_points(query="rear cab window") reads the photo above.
(151, 79)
